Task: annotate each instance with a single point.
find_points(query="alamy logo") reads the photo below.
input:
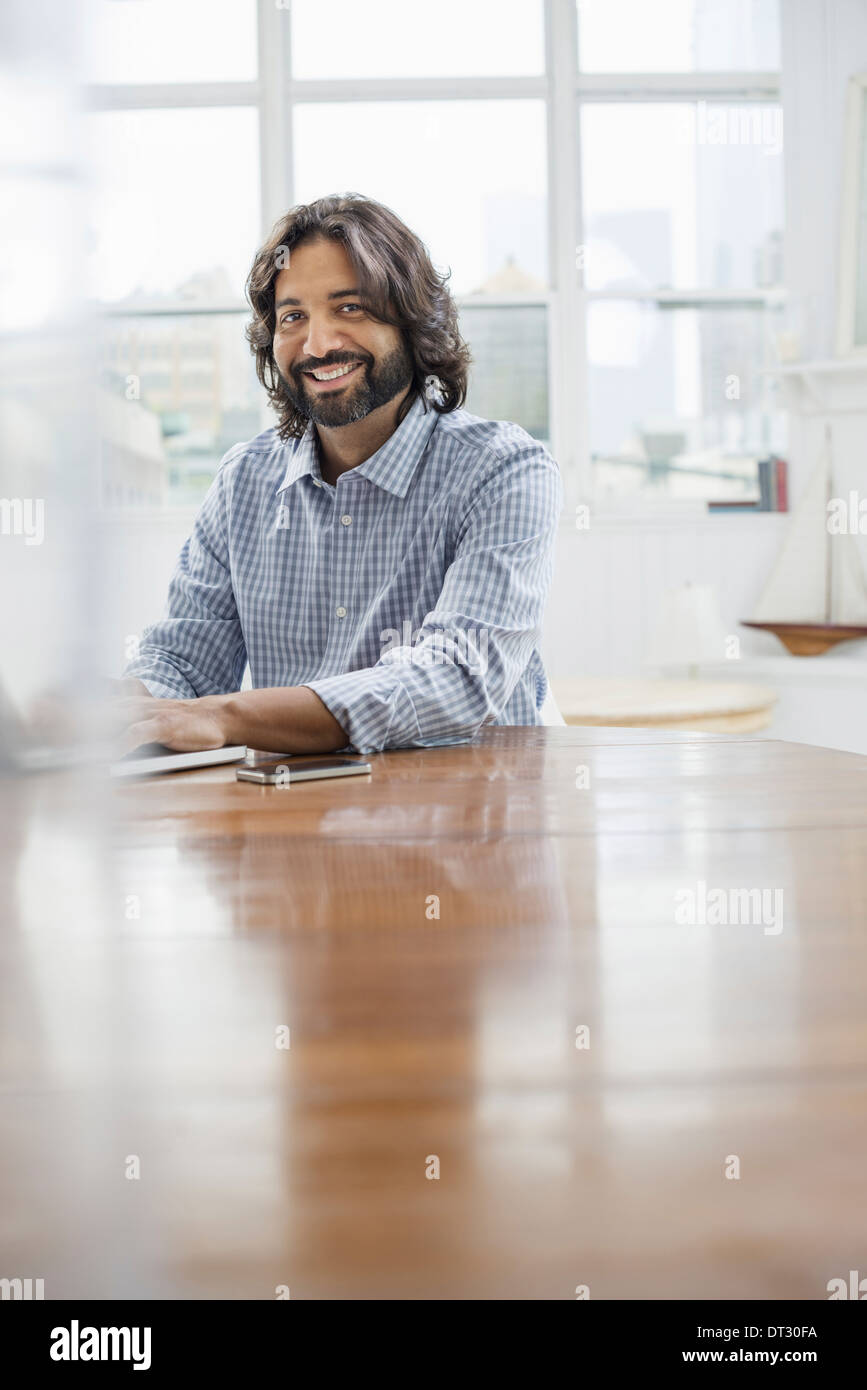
(730, 907)
(22, 1289)
(711, 123)
(847, 516)
(23, 516)
(102, 1344)
(857, 1287)
(466, 647)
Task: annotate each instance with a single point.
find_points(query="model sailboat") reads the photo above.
(817, 594)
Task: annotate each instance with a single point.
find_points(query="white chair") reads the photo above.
(549, 711)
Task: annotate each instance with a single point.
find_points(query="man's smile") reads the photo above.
(325, 378)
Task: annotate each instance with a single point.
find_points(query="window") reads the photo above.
(176, 204)
(183, 390)
(177, 215)
(475, 216)
(678, 35)
(682, 196)
(389, 38)
(682, 243)
(603, 184)
(679, 402)
(171, 41)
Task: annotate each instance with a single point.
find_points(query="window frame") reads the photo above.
(565, 91)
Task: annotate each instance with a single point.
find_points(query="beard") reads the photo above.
(379, 381)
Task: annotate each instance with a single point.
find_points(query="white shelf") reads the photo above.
(793, 670)
(825, 387)
(829, 366)
(694, 519)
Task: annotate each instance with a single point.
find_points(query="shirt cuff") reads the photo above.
(376, 709)
(163, 689)
(366, 704)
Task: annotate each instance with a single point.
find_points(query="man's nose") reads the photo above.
(322, 338)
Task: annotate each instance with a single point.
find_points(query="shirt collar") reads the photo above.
(392, 466)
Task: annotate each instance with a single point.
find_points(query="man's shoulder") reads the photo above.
(483, 438)
(265, 456)
(497, 453)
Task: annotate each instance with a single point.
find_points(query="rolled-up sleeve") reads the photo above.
(474, 645)
(197, 648)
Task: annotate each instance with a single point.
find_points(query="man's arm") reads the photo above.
(475, 644)
(470, 654)
(290, 720)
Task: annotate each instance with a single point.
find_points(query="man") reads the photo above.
(381, 558)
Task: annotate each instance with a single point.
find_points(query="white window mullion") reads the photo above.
(567, 336)
(161, 96)
(418, 89)
(275, 112)
(679, 86)
(752, 298)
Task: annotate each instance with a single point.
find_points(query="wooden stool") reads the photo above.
(713, 707)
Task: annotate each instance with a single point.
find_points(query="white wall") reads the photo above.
(608, 590)
(611, 580)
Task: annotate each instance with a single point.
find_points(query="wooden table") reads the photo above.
(433, 936)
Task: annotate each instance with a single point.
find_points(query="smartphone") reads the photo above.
(280, 772)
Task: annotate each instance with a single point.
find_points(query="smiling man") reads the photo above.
(381, 558)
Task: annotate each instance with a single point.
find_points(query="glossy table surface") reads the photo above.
(436, 938)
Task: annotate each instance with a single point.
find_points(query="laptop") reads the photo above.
(20, 752)
(155, 758)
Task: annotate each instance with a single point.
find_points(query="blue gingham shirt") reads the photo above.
(409, 596)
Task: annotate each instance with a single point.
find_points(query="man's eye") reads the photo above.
(351, 306)
(286, 317)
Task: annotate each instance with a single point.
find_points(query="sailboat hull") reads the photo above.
(811, 639)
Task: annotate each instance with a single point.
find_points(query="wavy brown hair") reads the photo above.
(398, 285)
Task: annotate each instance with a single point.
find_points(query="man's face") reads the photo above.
(321, 328)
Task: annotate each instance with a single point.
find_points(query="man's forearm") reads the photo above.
(290, 720)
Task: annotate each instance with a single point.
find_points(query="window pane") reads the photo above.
(36, 287)
(176, 392)
(177, 208)
(688, 195)
(171, 40)
(678, 401)
(678, 35)
(509, 375)
(484, 216)
(390, 38)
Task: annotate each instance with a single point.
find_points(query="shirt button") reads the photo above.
(346, 520)
(341, 612)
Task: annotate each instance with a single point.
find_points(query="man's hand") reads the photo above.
(64, 715)
(285, 720)
(187, 726)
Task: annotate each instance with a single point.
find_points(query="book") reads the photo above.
(781, 469)
(765, 485)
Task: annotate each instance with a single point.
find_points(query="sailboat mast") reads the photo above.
(816, 595)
